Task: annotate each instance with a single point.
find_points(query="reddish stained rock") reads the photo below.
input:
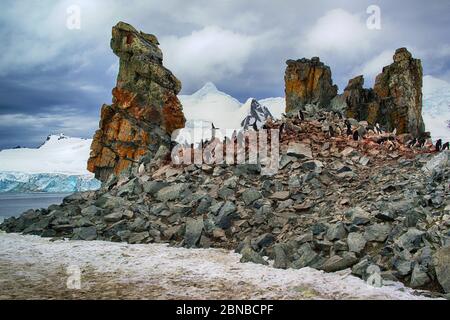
(308, 82)
(145, 108)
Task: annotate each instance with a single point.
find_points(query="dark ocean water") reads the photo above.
(13, 204)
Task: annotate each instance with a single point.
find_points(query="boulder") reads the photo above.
(356, 242)
(194, 228)
(249, 255)
(441, 261)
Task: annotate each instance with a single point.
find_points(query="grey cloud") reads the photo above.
(46, 67)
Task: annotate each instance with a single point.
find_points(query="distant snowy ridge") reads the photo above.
(58, 165)
(436, 107)
(225, 112)
(209, 106)
(59, 154)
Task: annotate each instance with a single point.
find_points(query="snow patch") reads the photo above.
(182, 273)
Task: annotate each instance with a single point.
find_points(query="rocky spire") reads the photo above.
(145, 108)
(308, 82)
(399, 91)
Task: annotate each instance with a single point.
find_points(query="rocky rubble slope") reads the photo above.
(334, 204)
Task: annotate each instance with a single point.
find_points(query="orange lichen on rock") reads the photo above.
(145, 108)
(308, 82)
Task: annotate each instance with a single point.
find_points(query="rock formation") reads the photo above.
(308, 82)
(257, 116)
(358, 99)
(145, 108)
(394, 103)
(399, 91)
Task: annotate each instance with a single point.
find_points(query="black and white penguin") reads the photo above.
(331, 131)
(378, 129)
(412, 143)
(422, 142)
(349, 128)
(282, 128)
(356, 135)
(301, 115)
(439, 145)
(446, 146)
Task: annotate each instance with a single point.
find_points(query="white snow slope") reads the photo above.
(436, 107)
(213, 106)
(59, 154)
(59, 165)
(36, 268)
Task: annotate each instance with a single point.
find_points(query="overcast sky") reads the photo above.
(54, 79)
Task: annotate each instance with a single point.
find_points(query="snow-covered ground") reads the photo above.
(33, 267)
(59, 165)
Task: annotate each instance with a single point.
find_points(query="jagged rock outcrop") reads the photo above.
(145, 108)
(395, 102)
(399, 91)
(308, 82)
(257, 116)
(358, 99)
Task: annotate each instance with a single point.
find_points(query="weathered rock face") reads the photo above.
(399, 91)
(358, 99)
(145, 108)
(308, 82)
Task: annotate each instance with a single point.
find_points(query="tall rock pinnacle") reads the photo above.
(399, 91)
(308, 82)
(145, 108)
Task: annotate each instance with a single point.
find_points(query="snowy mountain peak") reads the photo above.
(432, 85)
(257, 115)
(208, 88)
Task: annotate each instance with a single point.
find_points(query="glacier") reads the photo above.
(58, 165)
(46, 182)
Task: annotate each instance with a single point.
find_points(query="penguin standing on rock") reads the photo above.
(439, 145)
(378, 129)
(301, 115)
(349, 128)
(412, 143)
(331, 131)
(282, 128)
(356, 135)
(446, 146)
